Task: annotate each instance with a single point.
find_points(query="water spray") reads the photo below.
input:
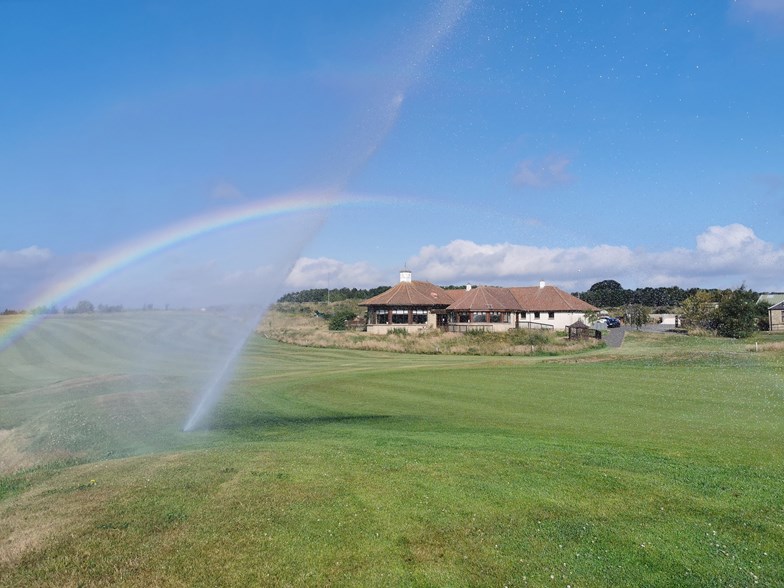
(214, 387)
(433, 32)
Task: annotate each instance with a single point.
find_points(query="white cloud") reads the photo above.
(21, 258)
(731, 240)
(323, 272)
(547, 172)
(507, 263)
(723, 257)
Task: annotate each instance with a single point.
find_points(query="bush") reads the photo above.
(528, 337)
(729, 313)
(737, 313)
(480, 335)
(337, 322)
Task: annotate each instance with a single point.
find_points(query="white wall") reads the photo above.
(560, 321)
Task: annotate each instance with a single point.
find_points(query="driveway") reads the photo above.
(614, 337)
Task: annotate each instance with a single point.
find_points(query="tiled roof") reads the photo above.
(549, 298)
(487, 298)
(529, 298)
(412, 293)
(779, 306)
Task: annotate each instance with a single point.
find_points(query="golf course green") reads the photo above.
(657, 464)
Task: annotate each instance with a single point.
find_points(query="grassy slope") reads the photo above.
(324, 467)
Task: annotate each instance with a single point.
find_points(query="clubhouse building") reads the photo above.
(414, 305)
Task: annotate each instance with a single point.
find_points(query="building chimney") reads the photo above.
(541, 283)
(405, 275)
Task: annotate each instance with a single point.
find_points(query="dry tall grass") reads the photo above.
(306, 329)
(766, 346)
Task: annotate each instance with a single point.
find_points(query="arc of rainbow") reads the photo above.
(134, 251)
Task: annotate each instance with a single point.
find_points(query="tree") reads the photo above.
(763, 318)
(636, 314)
(699, 310)
(730, 313)
(591, 316)
(736, 314)
(609, 293)
(606, 293)
(84, 306)
(334, 295)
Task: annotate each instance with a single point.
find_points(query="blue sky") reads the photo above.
(505, 141)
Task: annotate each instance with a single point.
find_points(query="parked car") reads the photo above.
(612, 322)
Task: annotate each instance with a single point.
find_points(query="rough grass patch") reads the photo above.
(311, 331)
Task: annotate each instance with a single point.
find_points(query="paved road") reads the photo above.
(614, 337)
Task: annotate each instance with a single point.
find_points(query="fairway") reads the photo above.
(660, 464)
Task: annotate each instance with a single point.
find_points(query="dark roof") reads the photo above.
(487, 298)
(549, 298)
(779, 306)
(412, 293)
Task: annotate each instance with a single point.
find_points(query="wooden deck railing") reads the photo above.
(533, 325)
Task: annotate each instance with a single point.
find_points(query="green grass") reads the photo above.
(659, 464)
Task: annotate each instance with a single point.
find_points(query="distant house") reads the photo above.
(413, 305)
(775, 304)
(771, 298)
(776, 317)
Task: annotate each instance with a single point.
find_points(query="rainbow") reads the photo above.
(155, 242)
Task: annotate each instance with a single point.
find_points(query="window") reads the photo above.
(523, 314)
(419, 316)
(536, 315)
(381, 317)
(551, 315)
(478, 317)
(400, 316)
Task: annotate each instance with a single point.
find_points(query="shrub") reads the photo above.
(480, 335)
(337, 322)
(737, 313)
(528, 337)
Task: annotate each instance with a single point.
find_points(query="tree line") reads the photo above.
(605, 294)
(333, 294)
(610, 294)
(82, 307)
